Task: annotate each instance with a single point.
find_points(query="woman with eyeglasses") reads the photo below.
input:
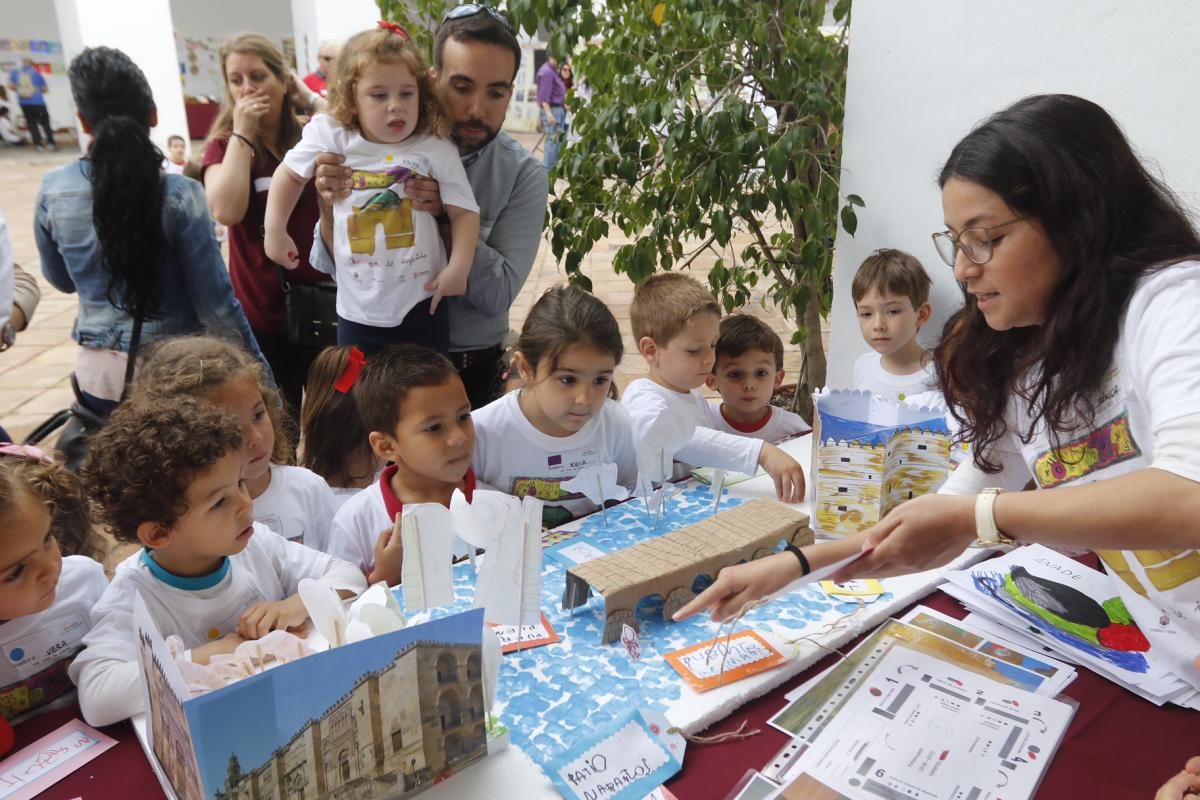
(1074, 362)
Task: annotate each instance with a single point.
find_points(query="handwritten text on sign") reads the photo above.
(52, 756)
(620, 760)
(709, 662)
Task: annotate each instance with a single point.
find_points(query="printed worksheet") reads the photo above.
(922, 728)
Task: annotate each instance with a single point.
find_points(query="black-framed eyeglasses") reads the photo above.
(975, 243)
(471, 9)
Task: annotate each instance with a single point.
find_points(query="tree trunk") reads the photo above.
(812, 374)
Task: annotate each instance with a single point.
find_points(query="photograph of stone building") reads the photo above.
(171, 737)
(400, 729)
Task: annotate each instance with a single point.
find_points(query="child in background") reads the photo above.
(747, 373)
(676, 324)
(383, 117)
(292, 501)
(891, 296)
(176, 158)
(335, 441)
(561, 419)
(45, 599)
(416, 410)
(169, 476)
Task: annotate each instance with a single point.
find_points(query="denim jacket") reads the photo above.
(197, 294)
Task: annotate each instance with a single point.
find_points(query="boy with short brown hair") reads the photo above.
(676, 324)
(891, 298)
(747, 373)
(415, 409)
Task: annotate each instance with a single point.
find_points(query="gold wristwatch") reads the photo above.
(986, 532)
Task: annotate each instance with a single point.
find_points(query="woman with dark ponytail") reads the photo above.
(129, 240)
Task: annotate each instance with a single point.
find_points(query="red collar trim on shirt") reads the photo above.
(740, 427)
(394, 505)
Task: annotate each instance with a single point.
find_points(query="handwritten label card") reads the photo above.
(529, 636)
(721, 661)
(47, 761)
(624, 760)
(572, 553)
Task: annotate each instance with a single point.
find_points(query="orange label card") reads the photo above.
(529, 635)
(720, 661)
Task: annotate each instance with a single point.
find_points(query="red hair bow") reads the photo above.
(349, 376)
(394, 28)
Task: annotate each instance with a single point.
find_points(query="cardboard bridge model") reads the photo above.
(667, 565)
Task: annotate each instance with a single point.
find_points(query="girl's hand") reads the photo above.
(248, 111)
(1185, 784)
(389, 558)
(282, 249)
(261, 618)
(450, 282)
(221, 647)
(425, 194)
(741, 584)
(920, 534)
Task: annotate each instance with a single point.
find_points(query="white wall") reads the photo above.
(318, 20)
(221, 19)
(150, 43)
(923, 72)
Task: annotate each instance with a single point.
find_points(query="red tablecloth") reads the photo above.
(1118, 746)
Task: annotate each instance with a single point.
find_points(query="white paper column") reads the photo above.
(143, 30)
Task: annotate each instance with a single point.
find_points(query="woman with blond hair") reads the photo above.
(259, 122)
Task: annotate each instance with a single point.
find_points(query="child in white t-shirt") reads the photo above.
(891, 296)
(45, 599)
(416, 410)
(292, 501)
(747, 373)
(176, 158)
(335, 442)
(562, 419)
(391, 266)
(168, 475)
(676, 323)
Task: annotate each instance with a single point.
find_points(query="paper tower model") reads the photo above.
(667, 565)
(870, 455)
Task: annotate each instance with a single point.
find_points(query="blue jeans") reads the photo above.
(418, 327)
(554, 135)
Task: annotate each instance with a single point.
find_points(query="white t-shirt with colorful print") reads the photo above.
(1154, 380)
(384, 249)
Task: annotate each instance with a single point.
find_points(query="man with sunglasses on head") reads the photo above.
(476, 56)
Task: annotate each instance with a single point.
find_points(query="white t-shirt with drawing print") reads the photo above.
(384, 250)
(1147, 413)
(198, 610)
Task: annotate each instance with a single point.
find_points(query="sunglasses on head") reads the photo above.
(471, 9)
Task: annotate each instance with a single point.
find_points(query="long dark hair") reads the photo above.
(112, 94)
(565, 316)
(1063, 161)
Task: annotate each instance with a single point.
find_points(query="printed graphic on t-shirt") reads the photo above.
(39, 688)
(548, 490)
(1107, 445)
(1165, 570)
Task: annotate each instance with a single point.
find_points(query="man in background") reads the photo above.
(319, 81)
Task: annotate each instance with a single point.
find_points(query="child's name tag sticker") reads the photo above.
(724, 660)
(564, 465)
(41, 647)
(625, 760)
